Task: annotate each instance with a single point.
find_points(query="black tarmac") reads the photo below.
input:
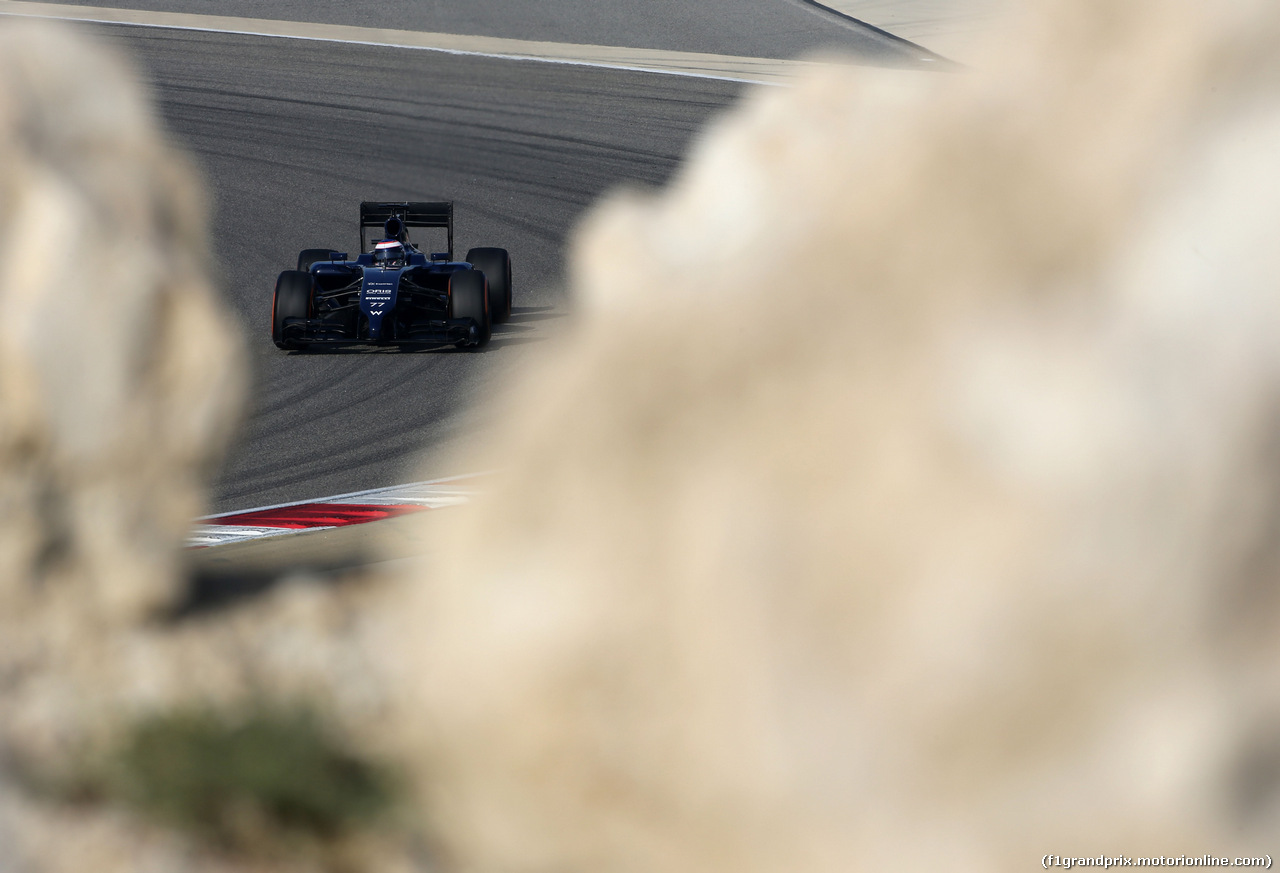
(292, 135)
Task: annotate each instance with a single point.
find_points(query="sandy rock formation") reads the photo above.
(301, 642)
(118, 370)
(120, 375)
(905, 497)
(120, 382)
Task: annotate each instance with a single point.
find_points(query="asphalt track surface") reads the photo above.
(291, 135)
(755, 28)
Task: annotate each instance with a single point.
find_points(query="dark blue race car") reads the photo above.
(392, 292)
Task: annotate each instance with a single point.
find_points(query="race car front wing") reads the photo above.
(435, 331)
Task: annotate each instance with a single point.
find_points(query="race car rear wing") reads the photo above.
(422, 213)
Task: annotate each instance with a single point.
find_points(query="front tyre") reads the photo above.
(469, 298)
(496, 266)
(292, 300)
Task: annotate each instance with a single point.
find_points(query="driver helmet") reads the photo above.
(389, 253)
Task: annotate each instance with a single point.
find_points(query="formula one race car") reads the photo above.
(392, 292)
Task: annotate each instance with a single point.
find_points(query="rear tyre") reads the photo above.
(496, 266)
(469, 298)
(307, 257)
(292, 300)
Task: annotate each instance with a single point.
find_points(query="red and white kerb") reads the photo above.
(358, 507)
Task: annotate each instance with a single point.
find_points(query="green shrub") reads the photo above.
(255, 782)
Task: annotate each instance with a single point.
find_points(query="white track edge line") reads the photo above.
(331, 498)
(212, 538)
(571, 62)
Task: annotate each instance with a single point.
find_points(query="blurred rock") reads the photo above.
(905, 497)
(120, 381)
(304, 642)
(119, 372)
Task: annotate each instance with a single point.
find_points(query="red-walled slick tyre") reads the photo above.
(496, 266)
